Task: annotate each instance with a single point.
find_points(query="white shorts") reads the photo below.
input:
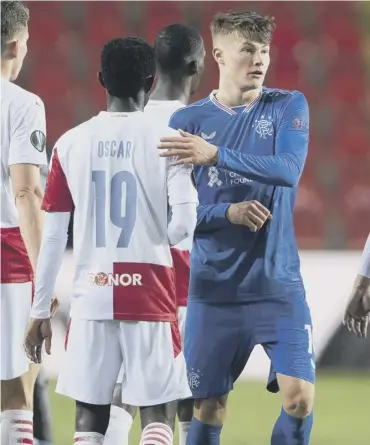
(153, 366)
(16, 300)
(181, 314)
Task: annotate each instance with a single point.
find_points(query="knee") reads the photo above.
(14, 395)
(211, 411)
(299, 402)
(92, 418)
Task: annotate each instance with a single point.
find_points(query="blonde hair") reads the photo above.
(250, 25)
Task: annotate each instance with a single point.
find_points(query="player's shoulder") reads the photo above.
(19, 97)
(279, 96)
(192, 112)
(71, 137)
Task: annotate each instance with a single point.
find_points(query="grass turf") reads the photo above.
(341, 413)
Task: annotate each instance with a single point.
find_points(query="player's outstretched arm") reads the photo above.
(26, 155)
(357, 314)
(282, 169)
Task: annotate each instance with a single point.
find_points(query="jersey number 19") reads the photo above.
(116, 196)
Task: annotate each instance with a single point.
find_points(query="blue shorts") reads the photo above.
(220, 338)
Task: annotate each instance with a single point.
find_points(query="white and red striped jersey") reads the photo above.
(161, 111)
(23, 131)
(108, 170)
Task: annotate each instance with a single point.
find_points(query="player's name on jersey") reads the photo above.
(110, 279)
(114, 149)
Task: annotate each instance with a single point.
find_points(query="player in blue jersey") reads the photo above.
(249, 145)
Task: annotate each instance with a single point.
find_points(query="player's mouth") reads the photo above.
(256, 74)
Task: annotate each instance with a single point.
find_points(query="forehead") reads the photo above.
(237, 40)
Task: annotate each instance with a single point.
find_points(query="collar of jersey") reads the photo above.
(119, 113)
(229, 110)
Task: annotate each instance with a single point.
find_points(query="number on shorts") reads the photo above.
(126, 223)
(308, 328)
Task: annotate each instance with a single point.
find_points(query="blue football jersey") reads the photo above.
(262, 151)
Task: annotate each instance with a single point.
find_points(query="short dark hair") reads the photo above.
(126, 63)
(249, 24)
(14, 16)
(174, 44)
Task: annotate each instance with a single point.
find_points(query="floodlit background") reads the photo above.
(321, 49)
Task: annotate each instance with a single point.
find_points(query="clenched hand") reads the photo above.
(250, 213)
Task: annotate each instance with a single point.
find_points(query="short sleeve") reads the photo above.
(57, 196)
(28, 134)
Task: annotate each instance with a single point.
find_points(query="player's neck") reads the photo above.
(6, 70)
(129, 105)
(231, 96)
(167, 89)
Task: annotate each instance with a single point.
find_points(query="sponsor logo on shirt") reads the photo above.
(300, 124)
(208, 137)
(213, 175)
(109, 279)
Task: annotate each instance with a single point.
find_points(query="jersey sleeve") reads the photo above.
(28, 135)
(291, 146)
(52, 249)
(212, 217)
(57, 197)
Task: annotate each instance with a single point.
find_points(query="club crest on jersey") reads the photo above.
(109, 279)
(194, 376)
(208, 137)
(264, 127)
(38, 140)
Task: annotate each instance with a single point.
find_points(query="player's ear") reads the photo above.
(100, 79)
(193, 68)
(10, 50)
(218, 56)
(148, 83)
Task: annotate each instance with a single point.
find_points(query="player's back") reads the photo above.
(118, 185)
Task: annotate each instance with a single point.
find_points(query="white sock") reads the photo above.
(88, 439)
(40, 442)
(183, 432)
(16, 426)
(120, 423)
(157, 434)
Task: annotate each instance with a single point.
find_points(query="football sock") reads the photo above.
(202, 434)
(120, 423)
(289, 430)
(156, 434)
(88, 439)
(17, 427)
(183, 432)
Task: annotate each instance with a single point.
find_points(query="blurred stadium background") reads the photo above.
(320, 48)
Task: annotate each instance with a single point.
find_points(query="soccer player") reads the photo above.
(357, 314)
(180, 56)
(123, 304)
(23, 144)
(250, 145)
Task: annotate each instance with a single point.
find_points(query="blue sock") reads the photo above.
(289, 430)
(202, 434)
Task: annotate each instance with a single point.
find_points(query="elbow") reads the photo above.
(27, 193)
(288, 180)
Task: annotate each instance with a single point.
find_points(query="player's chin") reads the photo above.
(253, 84)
